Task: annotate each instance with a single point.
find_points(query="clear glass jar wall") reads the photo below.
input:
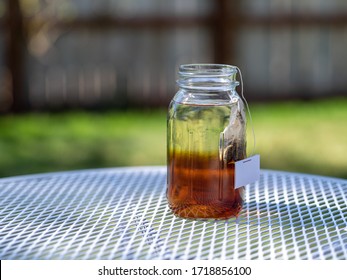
(206, 134)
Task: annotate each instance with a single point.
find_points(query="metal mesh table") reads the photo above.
(122, 213)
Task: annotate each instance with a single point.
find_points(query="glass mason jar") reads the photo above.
(206, 134)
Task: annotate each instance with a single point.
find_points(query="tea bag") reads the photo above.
(233, 145)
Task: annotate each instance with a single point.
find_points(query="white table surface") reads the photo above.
(122, 213)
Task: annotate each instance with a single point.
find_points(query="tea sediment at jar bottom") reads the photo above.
(200, 173)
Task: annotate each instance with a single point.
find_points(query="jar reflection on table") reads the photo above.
(206, 135)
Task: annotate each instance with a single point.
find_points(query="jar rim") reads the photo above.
(207, 70)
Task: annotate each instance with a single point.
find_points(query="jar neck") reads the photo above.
(207, 77)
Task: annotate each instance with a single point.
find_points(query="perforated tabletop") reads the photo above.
(122, 213)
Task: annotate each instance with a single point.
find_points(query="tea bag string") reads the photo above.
(249, 112)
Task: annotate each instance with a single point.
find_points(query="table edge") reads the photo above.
(148, 168)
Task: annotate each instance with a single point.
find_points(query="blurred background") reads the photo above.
(86, 84)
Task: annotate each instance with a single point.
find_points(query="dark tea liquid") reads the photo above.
(201, 186)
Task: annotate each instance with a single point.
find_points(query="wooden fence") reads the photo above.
(107, 59)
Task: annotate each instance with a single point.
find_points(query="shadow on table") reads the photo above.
(263, 230)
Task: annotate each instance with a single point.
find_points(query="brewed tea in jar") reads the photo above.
(206, 135)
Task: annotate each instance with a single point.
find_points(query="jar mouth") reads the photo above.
(207, 70)
(211, 77)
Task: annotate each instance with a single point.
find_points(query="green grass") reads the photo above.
(308, 137)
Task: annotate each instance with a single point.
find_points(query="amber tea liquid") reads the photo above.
(200, 165)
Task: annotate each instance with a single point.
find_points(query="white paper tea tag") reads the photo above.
(247, 171)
